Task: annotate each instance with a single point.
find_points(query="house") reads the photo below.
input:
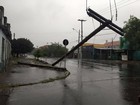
(5, 40)
(113, 44)
(88, 49)
(109, 50)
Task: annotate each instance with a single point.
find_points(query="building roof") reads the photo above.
(94, 45)
(43, 47)
(115, 43)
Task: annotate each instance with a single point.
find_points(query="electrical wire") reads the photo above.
(114, 37)
(110, 10)
(118, 3)
(93, 23)
(126, 3)
(105, 34)
(116, 9)
(74, 41)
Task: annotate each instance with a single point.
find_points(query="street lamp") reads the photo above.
(78, 39)
(78, 34)
(81, 20)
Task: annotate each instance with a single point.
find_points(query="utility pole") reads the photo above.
(78, 43)
(81, 48)
(81, 20)
(105, 23)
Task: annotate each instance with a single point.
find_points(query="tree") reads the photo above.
(53, 50)
(37, 53)
(132, 33)
(56, 50)
(21, 46)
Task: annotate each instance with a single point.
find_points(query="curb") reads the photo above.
(66, 74)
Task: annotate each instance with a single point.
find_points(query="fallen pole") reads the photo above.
(82, 42)
(104, 22)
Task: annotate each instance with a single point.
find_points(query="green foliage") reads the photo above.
(123, 43)
(37, 53)
(132, 31)
(53, 50)
(21, 46)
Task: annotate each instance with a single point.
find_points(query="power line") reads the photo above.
(118, 3)
(121, 5)
(105, 34)
(129, 4)
(116, 9)
(74, 41)
(93, 23)
(110, 9)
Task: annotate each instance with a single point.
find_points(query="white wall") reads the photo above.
(1, 35)
(7, 47)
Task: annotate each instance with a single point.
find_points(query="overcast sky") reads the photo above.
(46, 21)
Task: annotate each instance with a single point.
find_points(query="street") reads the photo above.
(90, 83)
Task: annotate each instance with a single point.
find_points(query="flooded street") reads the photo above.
(26, 74)
(90, 83)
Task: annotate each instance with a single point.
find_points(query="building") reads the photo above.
(88, 50)
(113, 44)
(5, 40)
(105, 51)
(93, 45)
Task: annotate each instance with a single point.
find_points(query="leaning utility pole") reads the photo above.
(104, 23)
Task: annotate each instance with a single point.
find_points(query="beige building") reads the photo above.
(5, 40)
(94, 45)
(113, 45)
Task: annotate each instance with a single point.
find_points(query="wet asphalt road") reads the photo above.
(90, 83)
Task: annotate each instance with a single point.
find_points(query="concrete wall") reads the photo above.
(5, 38)
(6, 51)
(1, 35)
(1, 15)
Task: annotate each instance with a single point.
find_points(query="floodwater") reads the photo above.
(90, 83)
(21, 74)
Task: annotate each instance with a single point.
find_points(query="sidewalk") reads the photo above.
(112, 61)
(23, 75)
(30, 72)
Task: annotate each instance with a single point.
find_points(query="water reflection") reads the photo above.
(90, 83)
(79, 82)
(73, 92)
(98, 78)
(130, 82)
